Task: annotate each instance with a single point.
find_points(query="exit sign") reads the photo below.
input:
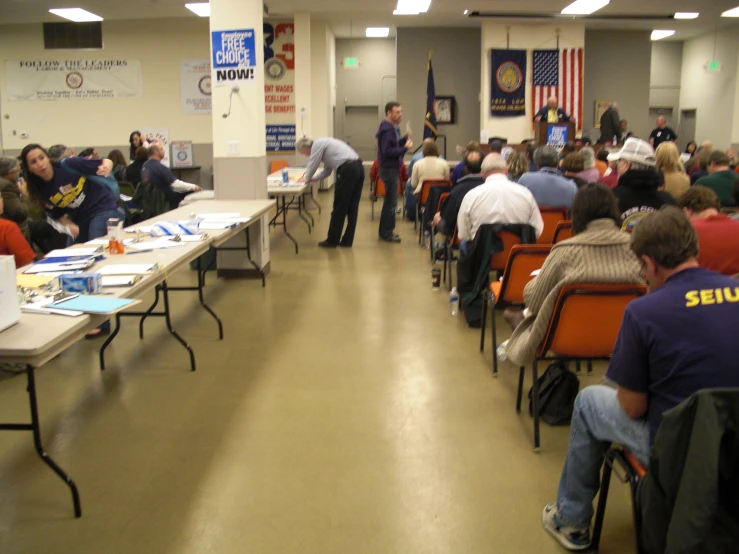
(713, 65)
(351, 63)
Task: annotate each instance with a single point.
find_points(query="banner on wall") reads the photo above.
(234, 57)
(279, 85)
(73, 79)
(161, 135)
(182, 153)
(508, 83)
(195, 86)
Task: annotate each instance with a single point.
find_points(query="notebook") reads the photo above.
(94, 304)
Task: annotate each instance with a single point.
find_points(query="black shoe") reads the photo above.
(345, 245)
(327, 244)
(391, 238)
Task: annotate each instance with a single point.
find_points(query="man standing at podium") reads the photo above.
(552, 113)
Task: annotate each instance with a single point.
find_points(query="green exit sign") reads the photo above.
(351, 63)
(714, 65)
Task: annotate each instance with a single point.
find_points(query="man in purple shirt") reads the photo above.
(678, 339)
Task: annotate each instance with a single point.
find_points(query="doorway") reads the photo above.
(686, 131)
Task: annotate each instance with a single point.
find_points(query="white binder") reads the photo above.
(10, 309)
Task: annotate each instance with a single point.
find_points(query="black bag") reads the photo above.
(558, 387)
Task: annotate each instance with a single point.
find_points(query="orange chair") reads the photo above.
(573, 333)
(277, 165)
(499, 260)
(522, 261)
(377, 190)
(451, 245)
(562, 232)
(551, 217)
(634, 472)
(423, 197)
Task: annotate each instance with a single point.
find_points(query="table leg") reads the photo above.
(148, 312)
(313, 199)
(284, 224)
(300, 212)
(109, 340)
(165, 294)
(305, 209)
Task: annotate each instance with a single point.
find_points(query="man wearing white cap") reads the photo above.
(638, 189)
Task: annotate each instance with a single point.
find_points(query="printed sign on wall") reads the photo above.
(161, 135)
(182, 153)
(195, 86)
(279, 85)
(73, 79)
(234, 57)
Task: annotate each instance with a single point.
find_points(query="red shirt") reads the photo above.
(13, 243)
(718, 240)
(610, 180)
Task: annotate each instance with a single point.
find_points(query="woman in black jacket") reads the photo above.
(133, 171)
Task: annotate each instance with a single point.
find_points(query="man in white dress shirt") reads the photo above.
(497, 200)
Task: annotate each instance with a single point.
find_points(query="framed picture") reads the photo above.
(600, 107)
(444, 106)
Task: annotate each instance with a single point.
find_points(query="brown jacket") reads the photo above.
(15, 208)
(600, 254)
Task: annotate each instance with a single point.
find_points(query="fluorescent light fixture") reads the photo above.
(377, 32)
(584, 7)
(734, 12)
(412, 7)
(658, 34)
(201, 8)
(77, 15)
(686, 15)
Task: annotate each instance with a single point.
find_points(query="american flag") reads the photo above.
(559, 73)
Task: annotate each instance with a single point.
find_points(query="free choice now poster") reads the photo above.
(234, 57)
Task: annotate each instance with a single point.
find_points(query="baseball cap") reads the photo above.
(635, 150)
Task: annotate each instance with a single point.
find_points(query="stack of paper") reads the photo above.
(61, 265)
(81, 252)
(218, 221)
(128, 269)
(119, 280)
(164, 242)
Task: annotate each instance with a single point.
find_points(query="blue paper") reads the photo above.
(92, 304)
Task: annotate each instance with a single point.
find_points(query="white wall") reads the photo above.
(159, 44)
(523, 37)
(712, 94)
(666, 75)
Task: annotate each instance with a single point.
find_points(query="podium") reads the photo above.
(559, 133)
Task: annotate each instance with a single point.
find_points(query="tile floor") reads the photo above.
(345, 412)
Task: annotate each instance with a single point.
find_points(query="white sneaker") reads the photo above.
(572, 538)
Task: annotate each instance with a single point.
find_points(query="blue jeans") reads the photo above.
(597, 421)
(387, 217)
(96, 226)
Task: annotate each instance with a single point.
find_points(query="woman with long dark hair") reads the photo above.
(136, 139)
(119, 165)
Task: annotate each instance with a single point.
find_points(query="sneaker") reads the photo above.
(391, 238)
(572, 538)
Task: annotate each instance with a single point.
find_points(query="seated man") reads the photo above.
(446, 218)
(497, 200)
(718, 234)
(674, 341)
(459, 169)
(547, 185)
(156, 173)
(720, 177)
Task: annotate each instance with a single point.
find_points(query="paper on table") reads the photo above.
(225, 215)
(192, 238)
(104, 242)
(67, 252)
(94, 304)
(61, 267)
(213, 224)
(143, 229)
(156, 244)
(32, 281)
(119, 280)
(128, 269)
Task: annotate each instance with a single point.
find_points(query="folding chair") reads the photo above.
(575, 334)
(500, 259)
(434, 229)
(551, 217)
(522, 261)
(452, 244)
(377, 190)
(423, 199)
(562, 232)
(277, 165)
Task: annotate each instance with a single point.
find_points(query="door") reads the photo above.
(360, 127)
(686, 132)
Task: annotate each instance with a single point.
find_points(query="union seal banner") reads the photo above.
(73, 79)
(508, 83)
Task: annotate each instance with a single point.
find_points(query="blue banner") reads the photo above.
(280, 138)
(508, 83)
(557, 135)
(234, 57)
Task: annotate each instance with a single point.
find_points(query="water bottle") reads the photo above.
(500, 352)
(426, 240)
(453, 301)
(285, 176)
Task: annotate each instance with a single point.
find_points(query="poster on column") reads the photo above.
(234, 57)
(161, 135)
(195, 91)
(73, 79)
(279, 85)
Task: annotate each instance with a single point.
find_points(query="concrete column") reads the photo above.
(239, 141)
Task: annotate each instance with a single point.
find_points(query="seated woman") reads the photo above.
(572, 166)
(133, 171)
(677, 181)
(119, 165)
(518, 164)
(13, 243)
(590, 173)
(429, 167)
(598, 252)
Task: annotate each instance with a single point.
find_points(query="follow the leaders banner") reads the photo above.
(508, 83)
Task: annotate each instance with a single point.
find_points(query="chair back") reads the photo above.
(126, 188)
(562, 232)
(454, 241)
(277, 165)
(522, 261)
(551, 217)
(587, 318)
(444, 196)
(499, 260)
(379, 188)
(423, 196)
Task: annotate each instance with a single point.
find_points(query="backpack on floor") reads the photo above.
(558, 387)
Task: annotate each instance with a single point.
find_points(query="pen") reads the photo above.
(139, 252)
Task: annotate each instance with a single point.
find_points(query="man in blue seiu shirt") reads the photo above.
(678, 339)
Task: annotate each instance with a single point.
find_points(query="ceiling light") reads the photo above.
(465, 12)
(377, 32)
(660, 34)
(202, 9)
(412, 7)
(686, 15)
(734, 12)
(584, 7)
(76, 14)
